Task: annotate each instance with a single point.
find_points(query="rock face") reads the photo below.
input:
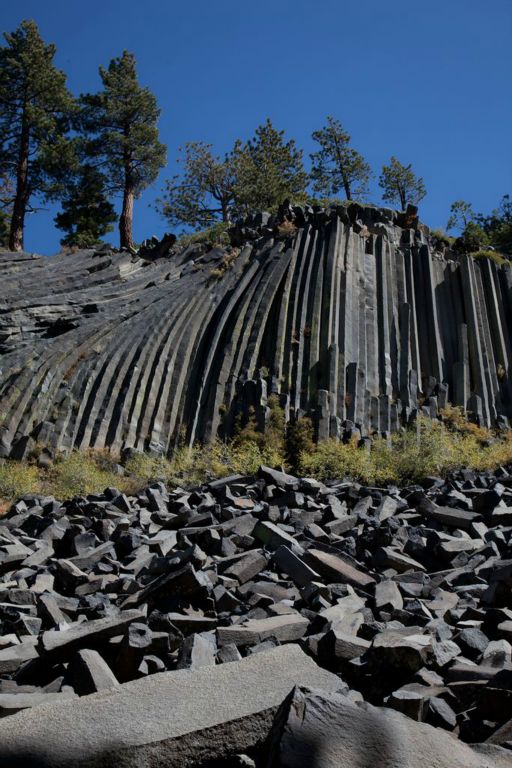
(347, 314)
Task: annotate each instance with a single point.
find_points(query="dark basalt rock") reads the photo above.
(409, 605)
(129, 350)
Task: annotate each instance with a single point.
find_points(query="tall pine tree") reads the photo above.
(400, 184)
(267, 171)
(336, 165)
(35, 107)
(204, 192)
(120, 123)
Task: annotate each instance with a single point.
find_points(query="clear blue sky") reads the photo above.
(429, 82)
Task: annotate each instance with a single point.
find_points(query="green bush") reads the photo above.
(212, 236)
(334, 460)
(499, 258)
(441, 236)
(78, 474)
(202, 463)
(430, 449)
(16, 479)
(193, 466)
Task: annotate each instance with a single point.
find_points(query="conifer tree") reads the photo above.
(120, 123)
(35, 107)
(338, 167)
(461, 214)
(400, 184)
(268, 170)
(204, 192)
(87, 215)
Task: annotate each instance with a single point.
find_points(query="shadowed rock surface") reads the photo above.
(329, 731)
(159, 720)
(347, 314)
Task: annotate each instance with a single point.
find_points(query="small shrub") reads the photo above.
(334, 460)
(431, 448)
(78, 474)
(472, 239)
(299, 440)
(456, 419)
(442, 237)
(143, 470)
(495, 256)
(226, 263)
(212, 236)
(16, 479)
(286, 228)
(197, 465)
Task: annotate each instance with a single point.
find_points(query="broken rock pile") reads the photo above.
(404, 595)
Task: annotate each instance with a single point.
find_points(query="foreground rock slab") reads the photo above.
(172, 719)
(329, 731)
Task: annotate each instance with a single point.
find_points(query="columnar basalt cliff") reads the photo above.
(349, 314)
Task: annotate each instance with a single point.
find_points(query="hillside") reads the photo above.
(351, 315)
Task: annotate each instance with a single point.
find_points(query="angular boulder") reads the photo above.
(174, 719)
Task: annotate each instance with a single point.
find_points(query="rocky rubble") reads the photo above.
(403, 595)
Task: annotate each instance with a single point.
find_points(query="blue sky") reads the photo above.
(428, 82)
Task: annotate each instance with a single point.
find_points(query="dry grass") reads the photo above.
(432, 448)
(226, 263)
(286, 229)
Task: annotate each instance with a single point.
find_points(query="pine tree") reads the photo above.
(204, 192)
(400, 184)
(478, 230)
(268, 171)
(86, 214)
(336, 165)
(35, 107)
(498, 225)
(120, 123)
(461, 214)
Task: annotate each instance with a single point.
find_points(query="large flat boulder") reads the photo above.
(329, 731)
(172, 719)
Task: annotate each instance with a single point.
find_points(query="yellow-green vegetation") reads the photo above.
(79, 473)
(217, 234)
(428, 448)
(86, 472)
(17, 478)
(432, 448)
(499, 258)
(226, 263)
(200, 464)
(441, 236)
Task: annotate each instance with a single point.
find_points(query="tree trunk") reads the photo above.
(126, 219)
(226, 218)
(22, 193)
(341, 165)
(403, 200)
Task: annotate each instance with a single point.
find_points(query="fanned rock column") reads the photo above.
(343, 313)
